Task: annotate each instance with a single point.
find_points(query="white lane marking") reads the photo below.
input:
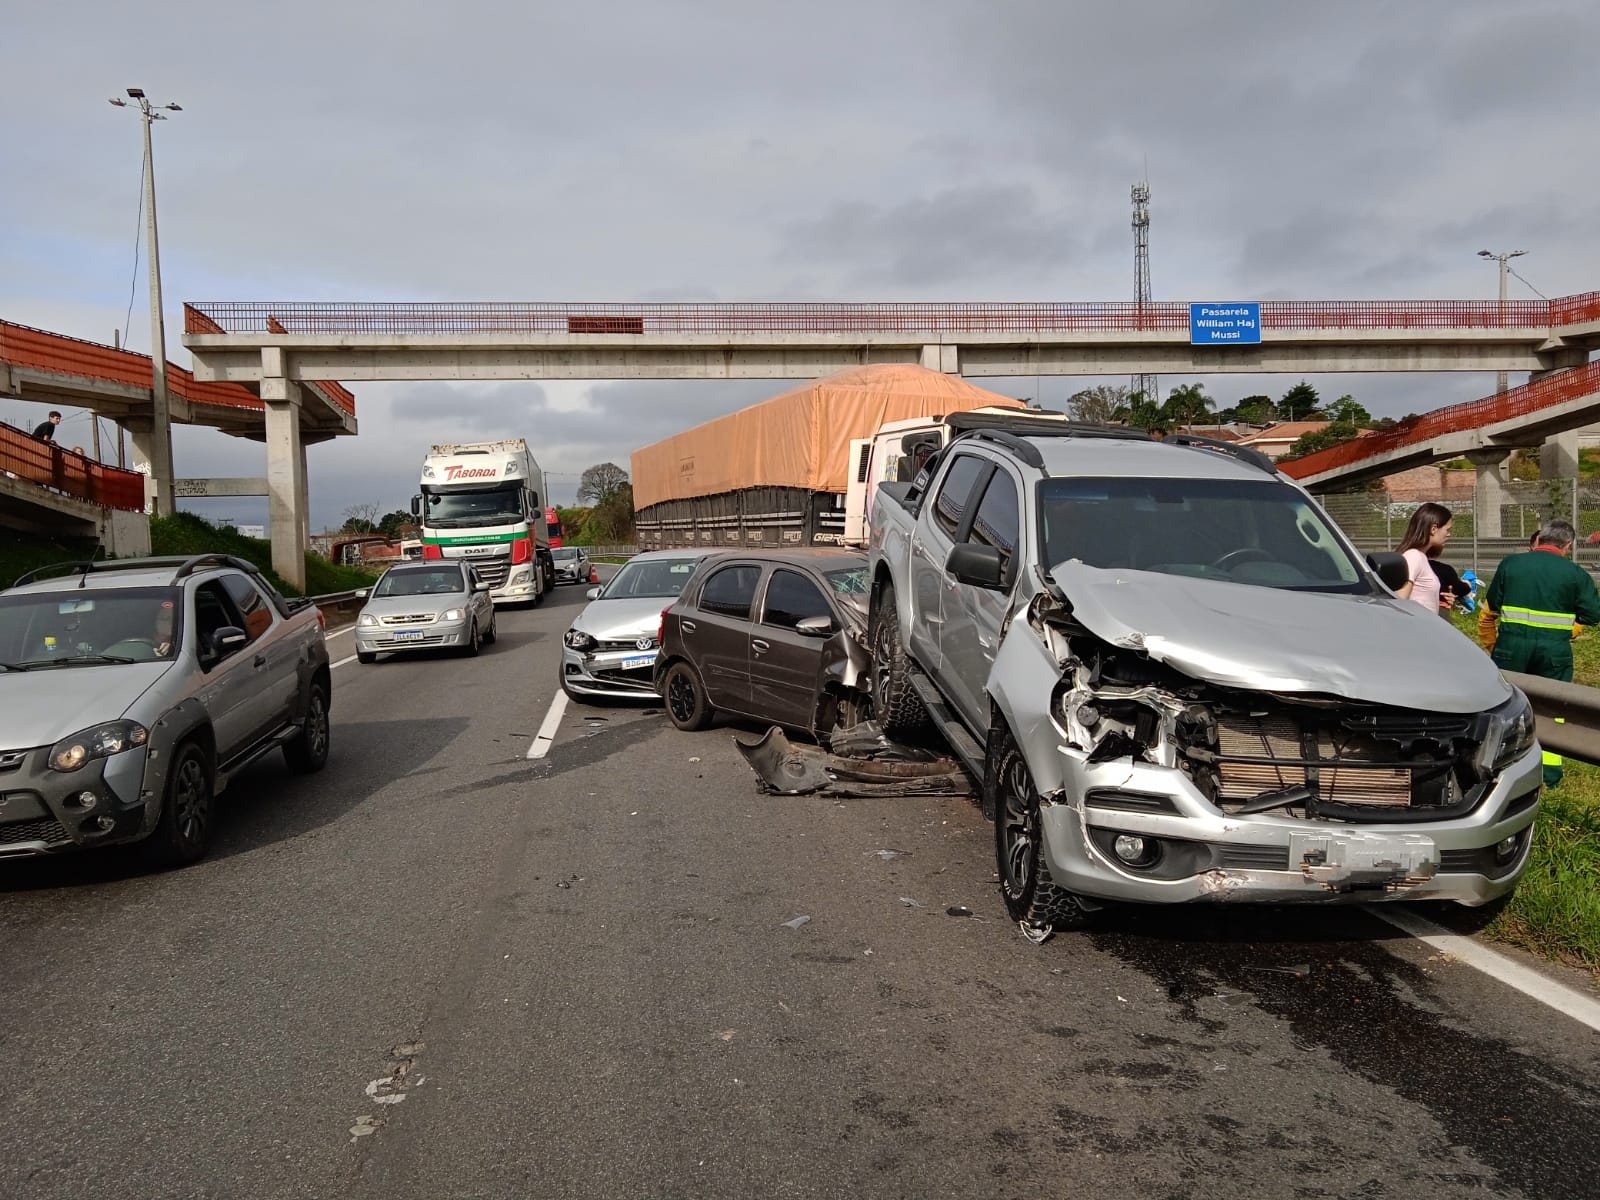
(547, 731)
(342, 632)
(342, 662)
(1559, 996)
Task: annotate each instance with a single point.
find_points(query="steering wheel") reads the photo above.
(1243, 555)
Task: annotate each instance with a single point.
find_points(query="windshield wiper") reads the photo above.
(67, 660)
(5, 666)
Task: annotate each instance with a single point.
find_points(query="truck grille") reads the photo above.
(493, 571)
(1337, 778)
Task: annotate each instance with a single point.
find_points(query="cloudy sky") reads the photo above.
(872, 150)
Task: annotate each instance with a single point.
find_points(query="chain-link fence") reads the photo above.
(1376, 519)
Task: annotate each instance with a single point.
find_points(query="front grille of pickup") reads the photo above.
(1277, 737)
(47, 830)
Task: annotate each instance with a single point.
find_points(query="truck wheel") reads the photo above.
(899, 708)
(1031, 896)
(307, 751)
(685, 695)
(183, 830)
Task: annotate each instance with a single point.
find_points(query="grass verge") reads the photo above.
(182, 533)
(185, 533)
(1555, 911)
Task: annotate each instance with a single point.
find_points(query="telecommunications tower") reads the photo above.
(1141, 278)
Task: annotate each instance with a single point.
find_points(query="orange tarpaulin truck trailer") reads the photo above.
(792, 470)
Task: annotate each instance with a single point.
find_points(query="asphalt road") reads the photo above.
(440, 970)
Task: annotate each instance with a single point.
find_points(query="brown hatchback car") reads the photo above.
(778, 636)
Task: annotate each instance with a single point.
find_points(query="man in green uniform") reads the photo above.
(1534, 600)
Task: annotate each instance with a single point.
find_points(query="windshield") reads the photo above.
(434, 581)
(655, 579)
(83, 627)
(565, 552)
(497, 505)
(1263, 533)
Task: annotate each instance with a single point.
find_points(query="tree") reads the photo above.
(1255, 410)
(1186, 404)
(1098, 404)
(1144, 414)
(1299, 402)
(573, 523)
(393, 524)
(611, 522)
(361, 518)
(601, 482)
(1333, 434)
(1346, 411)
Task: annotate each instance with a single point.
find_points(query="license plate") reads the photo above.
(638, 660)
(409, 635)
(1354, 861)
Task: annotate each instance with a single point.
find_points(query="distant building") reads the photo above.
(1274, 441)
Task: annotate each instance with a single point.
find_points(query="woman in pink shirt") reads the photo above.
(1425, 537)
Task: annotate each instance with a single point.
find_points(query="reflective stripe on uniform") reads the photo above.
(1511, 614)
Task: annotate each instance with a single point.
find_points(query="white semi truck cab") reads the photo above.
(484, 502)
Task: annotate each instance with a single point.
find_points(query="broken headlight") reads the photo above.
(577, 639)
(1508, 735)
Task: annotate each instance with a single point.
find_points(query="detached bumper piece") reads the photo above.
(870, 766)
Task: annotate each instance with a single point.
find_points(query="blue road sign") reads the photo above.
(1225, 324)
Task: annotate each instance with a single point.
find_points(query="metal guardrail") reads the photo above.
(1577, 735)
(339, 604)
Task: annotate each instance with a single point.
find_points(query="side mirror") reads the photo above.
(977, 566)
(362, 593)
(1391, 568)
(225, 641)
(480, 586)
(416, 506)
(593, 593)
(817, 627)
(533, 501)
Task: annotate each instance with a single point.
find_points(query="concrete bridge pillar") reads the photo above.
(1558, 457)
(942, 358)
(286, 479)
(1489, 496)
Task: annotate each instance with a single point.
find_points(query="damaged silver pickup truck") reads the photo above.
(1179, 682)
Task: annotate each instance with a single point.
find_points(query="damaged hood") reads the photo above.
(621, 620)
(1375, 648)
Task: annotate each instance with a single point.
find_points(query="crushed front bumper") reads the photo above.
(1208, 855)
(620, 674)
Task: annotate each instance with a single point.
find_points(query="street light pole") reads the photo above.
(160, 403)
(1502, 380)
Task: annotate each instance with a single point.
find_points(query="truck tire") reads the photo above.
(899, 709)
(1031, 895)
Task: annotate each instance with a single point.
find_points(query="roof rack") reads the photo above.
(1015, 439)
(1247, 454)
(185, 565)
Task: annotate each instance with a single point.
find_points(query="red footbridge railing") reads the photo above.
(68, 472)
(1521, 401)
(24, 346)
(402, 318)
